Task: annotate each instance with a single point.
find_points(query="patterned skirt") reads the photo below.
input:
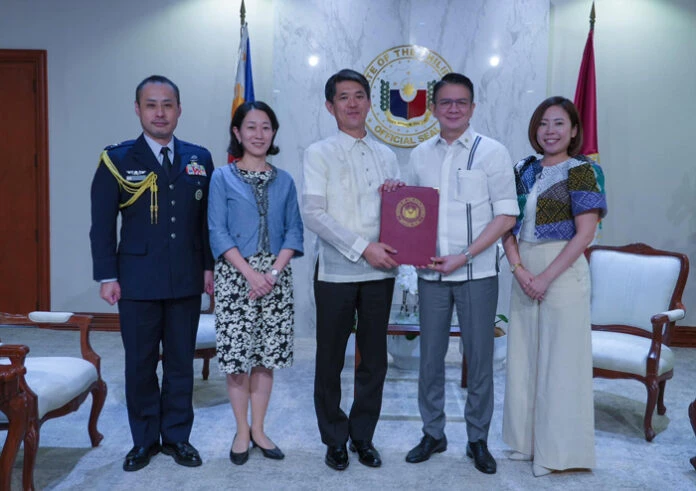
(257, 332)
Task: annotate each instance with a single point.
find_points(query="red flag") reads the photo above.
(586, 102)
(586, 96)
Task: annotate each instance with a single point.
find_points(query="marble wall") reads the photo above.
(350, 34)
(92, 75)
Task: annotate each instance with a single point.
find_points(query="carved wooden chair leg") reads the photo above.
(98, 398)
(31, 445)
(653, 390)
(206, 368)
(661, 409)
(16, 414)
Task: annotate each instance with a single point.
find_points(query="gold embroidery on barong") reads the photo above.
(136, 189)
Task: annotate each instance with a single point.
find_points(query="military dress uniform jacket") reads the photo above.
(160, 260)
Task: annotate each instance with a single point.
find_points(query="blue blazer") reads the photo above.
(153, 260)
(233, 216)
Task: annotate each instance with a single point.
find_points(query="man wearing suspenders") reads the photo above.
(478, 204)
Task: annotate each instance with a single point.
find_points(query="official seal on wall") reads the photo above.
(401, 80)
(410, 212)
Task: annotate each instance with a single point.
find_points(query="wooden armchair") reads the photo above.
(13, 403)
(205, 335)
(636, 300)
(46, 388)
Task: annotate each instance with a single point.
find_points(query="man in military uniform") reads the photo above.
(157, 269)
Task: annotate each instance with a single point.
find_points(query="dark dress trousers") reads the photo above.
(159, 267)
(337, 305)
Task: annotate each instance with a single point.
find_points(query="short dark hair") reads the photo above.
(156, 79)
(236, 149)
(453, 78)
(534, 123)
(345, 75)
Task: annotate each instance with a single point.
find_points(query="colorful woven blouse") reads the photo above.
(577, 188)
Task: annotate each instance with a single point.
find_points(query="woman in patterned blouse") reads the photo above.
(548, 413)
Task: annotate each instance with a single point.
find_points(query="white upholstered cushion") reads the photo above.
(57, 380)
(205, 338)
(628, 289)
(55, 317)
(675, 315)
(626, 353)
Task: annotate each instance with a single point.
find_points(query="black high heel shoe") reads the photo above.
(270, 453)
(238, 458)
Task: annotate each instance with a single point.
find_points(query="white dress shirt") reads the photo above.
(157, 148)
(341, 203)
(471, 195)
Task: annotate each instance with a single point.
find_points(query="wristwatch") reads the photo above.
(468, 254)
(275, 273)
(514, 267)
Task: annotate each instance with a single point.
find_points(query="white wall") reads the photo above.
(97, 53)
(645, 55)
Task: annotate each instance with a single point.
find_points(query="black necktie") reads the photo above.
(166, 163)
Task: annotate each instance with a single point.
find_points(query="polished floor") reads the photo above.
(624, 459)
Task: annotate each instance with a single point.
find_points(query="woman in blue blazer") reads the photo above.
(255, 229)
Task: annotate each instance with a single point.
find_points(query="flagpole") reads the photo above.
(586, 94)
(244, 83)
(586, 103)
(592, 16)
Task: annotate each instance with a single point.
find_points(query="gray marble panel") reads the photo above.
(342, 33)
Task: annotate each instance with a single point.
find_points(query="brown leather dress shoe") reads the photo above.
(139, 457)
(367, 453)
(183, 452)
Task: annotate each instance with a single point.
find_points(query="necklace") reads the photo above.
(241, 165)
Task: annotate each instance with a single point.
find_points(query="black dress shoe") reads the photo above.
(427, 446)
(238, 458)
(270, 453)
(483, 460)
(367, 453)
(183, 452)
(336, 457)
(139, 457)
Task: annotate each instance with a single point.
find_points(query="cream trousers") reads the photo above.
(549, 407)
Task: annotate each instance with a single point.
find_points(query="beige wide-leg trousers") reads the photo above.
(549, 408)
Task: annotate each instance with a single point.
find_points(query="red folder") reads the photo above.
(409, 223)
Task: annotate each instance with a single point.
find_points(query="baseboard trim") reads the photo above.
(104, 322)
(684, 337)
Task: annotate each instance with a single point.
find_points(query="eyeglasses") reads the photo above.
(447, 103)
